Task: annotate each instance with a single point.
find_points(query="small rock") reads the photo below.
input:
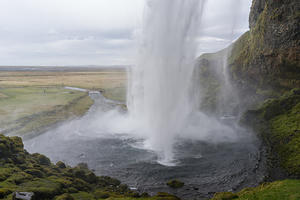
(195, 188)
(61, 165)
(175, 184)
(145, 195)
(23, 195)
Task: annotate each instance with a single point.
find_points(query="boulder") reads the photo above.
(23, 195)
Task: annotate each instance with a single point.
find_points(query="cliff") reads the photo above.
(277, 122)
(262, 63)
(269, 57)
(263, 68)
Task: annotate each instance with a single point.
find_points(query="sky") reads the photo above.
(98, 32)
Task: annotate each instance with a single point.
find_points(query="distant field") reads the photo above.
(103, 80)
(31, 101)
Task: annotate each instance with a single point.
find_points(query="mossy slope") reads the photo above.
(278, 190)
(265, 61)
(277, 121)
(21, 171)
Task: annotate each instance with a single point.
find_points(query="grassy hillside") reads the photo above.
(277, 121)
(24, 172)
(278, 190)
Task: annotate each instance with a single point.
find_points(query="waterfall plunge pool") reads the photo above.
(205, 167)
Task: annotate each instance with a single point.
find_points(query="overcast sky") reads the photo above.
(98, 32)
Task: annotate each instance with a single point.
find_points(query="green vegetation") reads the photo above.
(98, 79)
(31, 101)
(278, 190)
(209, 84)
(175, 184)
(28, 110)
(264, 62)
(263, 68)
(278, 122)
(21, 171)
(117, 93)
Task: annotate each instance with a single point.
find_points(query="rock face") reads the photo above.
(264, 69)
(265, 61)
(277, 123)
(256, 9)
(270, 55)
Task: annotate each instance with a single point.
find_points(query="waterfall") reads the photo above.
(229, 99)
(159, 85)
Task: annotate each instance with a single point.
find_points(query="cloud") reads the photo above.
(103, 32)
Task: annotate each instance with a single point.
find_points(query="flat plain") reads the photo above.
(31, 101)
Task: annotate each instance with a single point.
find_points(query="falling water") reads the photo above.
(229, 99)
(159, 84)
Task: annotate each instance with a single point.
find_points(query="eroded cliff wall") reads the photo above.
(262, 63)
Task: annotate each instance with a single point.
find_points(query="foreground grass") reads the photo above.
(24, 172)
(278, 190)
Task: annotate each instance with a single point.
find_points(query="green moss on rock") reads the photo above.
(24, 172)
(43, 160)
(4, 192)
(64, 197)
(165, 196)
(83, 196)
(175, 184)
(225, 196)
(61, 165)
(278, 190)
(264, 62)
(278, 123)
(101, 194)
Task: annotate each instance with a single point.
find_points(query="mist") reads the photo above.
(161, 101)
(161, 124)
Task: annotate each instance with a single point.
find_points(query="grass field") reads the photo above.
(104, 80)
(30, 101)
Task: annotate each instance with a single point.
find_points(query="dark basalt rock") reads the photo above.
(256, 9)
